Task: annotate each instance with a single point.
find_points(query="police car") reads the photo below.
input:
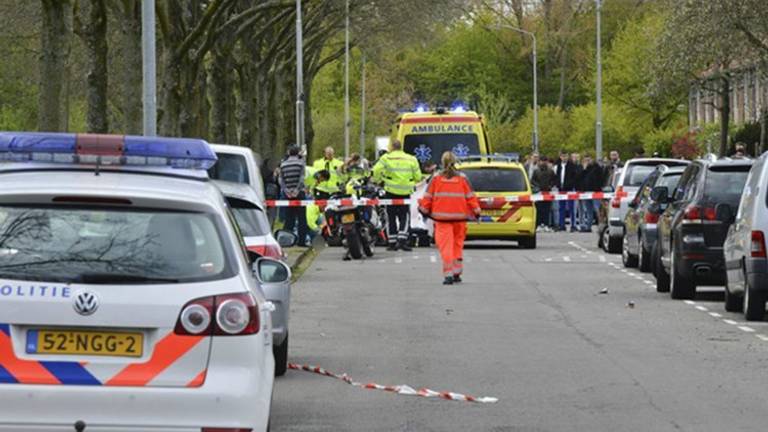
(126, 300)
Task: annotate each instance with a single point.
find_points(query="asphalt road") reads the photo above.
(528, 327)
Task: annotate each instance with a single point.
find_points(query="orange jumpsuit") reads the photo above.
(450, 202)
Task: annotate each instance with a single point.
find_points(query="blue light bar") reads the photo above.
(185, 153)
(458, 107)
(421, 108)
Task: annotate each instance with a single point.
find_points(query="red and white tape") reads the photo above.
(399, 389)
(545, 196)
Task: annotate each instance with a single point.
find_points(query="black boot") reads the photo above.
(405, 246)
(457, 278)
(448, 280)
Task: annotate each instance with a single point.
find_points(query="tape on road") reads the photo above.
(545, 196)
(399, 389)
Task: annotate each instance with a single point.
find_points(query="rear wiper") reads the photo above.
(108, 278)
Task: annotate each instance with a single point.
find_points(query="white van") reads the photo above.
(238, 165)
(744, 248)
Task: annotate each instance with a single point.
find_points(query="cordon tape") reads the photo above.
(545, 196)
(398, 389)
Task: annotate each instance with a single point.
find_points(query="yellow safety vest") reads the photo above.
(399, 171)
(333, 165)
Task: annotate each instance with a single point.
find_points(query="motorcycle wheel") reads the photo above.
(368, 243)
(354, 243)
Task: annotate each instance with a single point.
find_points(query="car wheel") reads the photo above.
(627, 258)
(680, 287)
(281, 357)
(643, 256)
(733, 303)
(662, 277)
(528, 242)
(754, 303)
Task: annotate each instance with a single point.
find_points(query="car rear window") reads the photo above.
(725, 184)
(250, 219)
(110, 246)
(637, 172)
(230, 167)
(496, 179)
(430, 147)
(669, 180)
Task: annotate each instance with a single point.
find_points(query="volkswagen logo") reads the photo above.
(86, 303)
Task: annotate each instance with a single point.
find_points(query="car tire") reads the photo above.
(613, 245)
(528, 242)
(680, 288)
(733, 303)
(754, 303)
(627, 258)
(643, 256)
(281, 357)
(662, 277)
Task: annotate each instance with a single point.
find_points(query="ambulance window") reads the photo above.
(430, 147)
(496, 179)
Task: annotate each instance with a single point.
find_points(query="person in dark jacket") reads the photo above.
(543, 179)
(590, 180)
(567, 172)
(291, 181)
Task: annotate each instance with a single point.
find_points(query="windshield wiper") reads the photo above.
(112, 278)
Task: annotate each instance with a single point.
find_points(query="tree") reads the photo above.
(90, 23)
(54, 45)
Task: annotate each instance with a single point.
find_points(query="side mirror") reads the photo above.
(608, 189)
(286, 239)
(660, 194)
(724, 213)
(268, 270)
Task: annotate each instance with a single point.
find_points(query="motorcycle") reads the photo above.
(358, 222)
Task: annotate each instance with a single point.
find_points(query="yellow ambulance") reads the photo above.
(427, 134)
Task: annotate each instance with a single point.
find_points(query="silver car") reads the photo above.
(259, 242)
(632, 176)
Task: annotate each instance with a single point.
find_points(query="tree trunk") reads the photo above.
(93, 32)
(725, 113)
(218, 96)
(54, 53)
(131, 71)
(763, 124)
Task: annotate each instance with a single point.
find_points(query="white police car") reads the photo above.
(126, 300)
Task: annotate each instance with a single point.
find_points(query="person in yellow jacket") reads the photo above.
(399, 172)
(328, 162)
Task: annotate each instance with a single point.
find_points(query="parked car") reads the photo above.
(691, 230)
(630, 179)
(642, 217)
(254, 228)
(238, 165)
(744, 249)
(611, 182)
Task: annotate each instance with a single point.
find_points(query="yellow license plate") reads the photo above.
(78, 342)
(347, 218)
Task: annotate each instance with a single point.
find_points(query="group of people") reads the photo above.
(570, 172)
(395, 171)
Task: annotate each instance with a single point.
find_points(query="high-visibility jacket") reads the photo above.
(313, 217)
(309, 179)
(450, 199)
(333, 165)
(399, 171)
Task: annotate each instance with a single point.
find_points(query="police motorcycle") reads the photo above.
(358, 219)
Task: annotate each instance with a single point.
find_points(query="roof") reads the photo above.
(240, 191)
(488, 164)
(434, 117)
(235, 149)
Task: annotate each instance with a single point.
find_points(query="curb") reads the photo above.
(306, 258)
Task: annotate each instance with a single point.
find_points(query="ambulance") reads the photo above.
(427, 134)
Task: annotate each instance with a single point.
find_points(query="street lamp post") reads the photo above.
(346, 83)
(149, 67)
(362, 109)
(598, 90)
(299, 80)
(535, 86)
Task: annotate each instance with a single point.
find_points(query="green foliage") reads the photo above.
(620, 131)
(554, 131)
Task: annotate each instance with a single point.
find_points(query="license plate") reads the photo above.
(348, 218)
(494, 213)
(78, 342)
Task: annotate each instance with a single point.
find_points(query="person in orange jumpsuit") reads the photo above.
(450, 202)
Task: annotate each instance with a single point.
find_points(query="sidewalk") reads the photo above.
(299, 258)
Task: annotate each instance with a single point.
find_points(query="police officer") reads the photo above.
(399, 172)
(328, 163)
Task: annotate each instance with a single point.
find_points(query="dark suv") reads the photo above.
(689, 250)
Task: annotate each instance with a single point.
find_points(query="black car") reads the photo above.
(643, 215)
(692, 229)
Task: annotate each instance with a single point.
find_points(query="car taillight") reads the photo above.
(651, 217)
(269, 251)
(696, 214)
(758, 245)
(222, 315)
(616, 201)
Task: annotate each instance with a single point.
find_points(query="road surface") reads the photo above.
(528, 327)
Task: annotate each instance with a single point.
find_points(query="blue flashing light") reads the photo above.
(458, 107)
(184, 153)
(421, 108)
